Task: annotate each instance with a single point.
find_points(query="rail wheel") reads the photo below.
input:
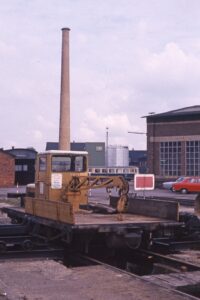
(27, 245)
(2, 247)
(15, 221)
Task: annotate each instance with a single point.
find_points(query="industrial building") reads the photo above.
(173, 143)
(138, 158)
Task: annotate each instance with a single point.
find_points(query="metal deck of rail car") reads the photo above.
(95, 220)
(143, 213)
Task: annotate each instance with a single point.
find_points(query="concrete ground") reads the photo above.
(50, 280)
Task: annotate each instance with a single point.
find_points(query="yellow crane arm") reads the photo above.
(78, 183)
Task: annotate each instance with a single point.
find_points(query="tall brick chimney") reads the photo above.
(64, 128)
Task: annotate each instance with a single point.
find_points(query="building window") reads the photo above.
(25, 168)
(99, 148)
(170, 158)
(18, 168)
(193, 158)
(21, 168)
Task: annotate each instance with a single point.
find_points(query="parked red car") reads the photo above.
(188, 185)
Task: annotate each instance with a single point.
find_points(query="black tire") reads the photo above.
(2, 247)
(184, 191)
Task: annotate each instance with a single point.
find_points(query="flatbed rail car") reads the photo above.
(133, 228)
(57, 207)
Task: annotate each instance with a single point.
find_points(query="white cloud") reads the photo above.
(118, 126)
(173, 65)
(166, 80)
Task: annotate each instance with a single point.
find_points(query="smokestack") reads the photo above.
(64, 129)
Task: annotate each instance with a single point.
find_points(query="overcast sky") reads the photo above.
(127, 58)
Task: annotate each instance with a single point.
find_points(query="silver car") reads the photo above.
(168, 184)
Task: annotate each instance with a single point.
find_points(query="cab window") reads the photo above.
(79, 164)
(69, 163)
(61, 163)
(42, 164)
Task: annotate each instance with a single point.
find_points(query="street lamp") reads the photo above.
(107, 147)
(137, 132)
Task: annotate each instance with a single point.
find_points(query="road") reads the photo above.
(14, 189)
(98, 194)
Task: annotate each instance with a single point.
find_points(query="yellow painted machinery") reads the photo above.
(57, 207)
(62, 184)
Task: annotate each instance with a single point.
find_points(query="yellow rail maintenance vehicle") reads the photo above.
(62, 184)
(57, 207)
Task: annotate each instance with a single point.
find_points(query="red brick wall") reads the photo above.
(7, 170)
(169, 131)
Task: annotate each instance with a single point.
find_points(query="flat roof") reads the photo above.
(64, 152)
(185, 111)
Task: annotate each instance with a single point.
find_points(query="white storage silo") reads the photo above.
(118, 156)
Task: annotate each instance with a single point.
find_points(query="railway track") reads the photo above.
(141, 258)
(171, 264)
(174, 274)
(48, 253)
(138, 261)
(150, 265)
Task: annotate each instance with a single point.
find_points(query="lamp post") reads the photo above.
(107, 147)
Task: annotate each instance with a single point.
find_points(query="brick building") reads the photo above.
(173, 143)
(7, 169)
(24, 164)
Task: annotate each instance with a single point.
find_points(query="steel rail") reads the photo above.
(176, 263)
(36, 253)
